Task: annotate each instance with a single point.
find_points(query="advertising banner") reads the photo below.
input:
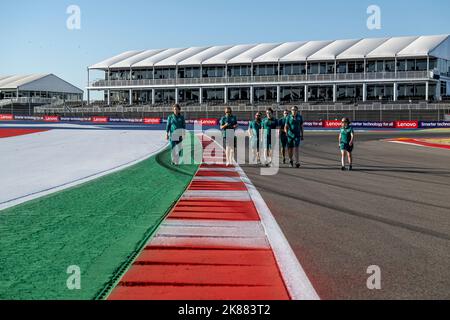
(51, 118)
(6, 117)
(152, 120)
(434, 124)
(407, 124)
(208, 122)
(100, 119)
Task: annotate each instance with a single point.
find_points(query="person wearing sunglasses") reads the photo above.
(346, 137)
(254, 131)
(228, 125)
(294, 132)
(283, 136)
(269, 126)
(176, 124)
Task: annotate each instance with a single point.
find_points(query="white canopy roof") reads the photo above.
(224, 57)
(177, 58)
(249, 55)
(129, 62)
(391, 47)
(361, 49)
(415, 46)
(150, 62)
(331, 51)
(37, 82)
(303, 52)
(279, 52)
(422, 46)
(199, 58)
(105, 64)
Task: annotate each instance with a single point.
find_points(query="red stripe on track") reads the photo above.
(167, 292)
(218, 185)
(8, 133)
(218, 174)
(215, 210)
(207, 257)
(201, 282)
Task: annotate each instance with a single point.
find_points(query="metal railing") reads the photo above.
(243, 108)
(310, 78)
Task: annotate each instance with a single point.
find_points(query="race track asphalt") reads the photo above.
(392, 211)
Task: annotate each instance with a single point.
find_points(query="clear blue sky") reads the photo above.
(34, 37)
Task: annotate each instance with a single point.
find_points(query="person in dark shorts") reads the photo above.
(269, 126)
(294, 132)
(254, 132)
(346, 138)
(283, 136)
(228, 125)
(175, 123)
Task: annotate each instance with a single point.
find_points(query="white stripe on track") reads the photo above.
(256, 243)
(297, 282)
(248, 230)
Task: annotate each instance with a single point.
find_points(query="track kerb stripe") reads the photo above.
(215, 245)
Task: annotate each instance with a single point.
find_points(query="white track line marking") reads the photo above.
(253, 230)
(297, 282)
(217, 195)
(214, 242)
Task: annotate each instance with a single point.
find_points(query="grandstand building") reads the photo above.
(415, 68)
(38, 86)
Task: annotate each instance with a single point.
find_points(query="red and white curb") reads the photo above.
(418, 143)
(220, 242)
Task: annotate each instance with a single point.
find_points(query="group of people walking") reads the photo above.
(260, 131)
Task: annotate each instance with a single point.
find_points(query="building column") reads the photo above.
(334, 92)
(364, 92)
(306, 93)
(108, 99)
(278, 94)
(200, 96)
(153, 97)
(439, 91)
(176, 95)
(395, 92)
(130, 102)
(251, 95)
(88, 91)
(225, 95)
(427, 91)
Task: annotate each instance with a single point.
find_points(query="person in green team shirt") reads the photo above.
(283, 136)
(228, 125)
(294, 132)
(254, 131)
(175, 132)
(268, 125)
(346, 137)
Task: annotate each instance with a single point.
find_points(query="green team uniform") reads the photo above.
(175, 123)
(268, 125)
(283, 136)
(346, 137)
(255, 127)
(231, 121)
(294, 134)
